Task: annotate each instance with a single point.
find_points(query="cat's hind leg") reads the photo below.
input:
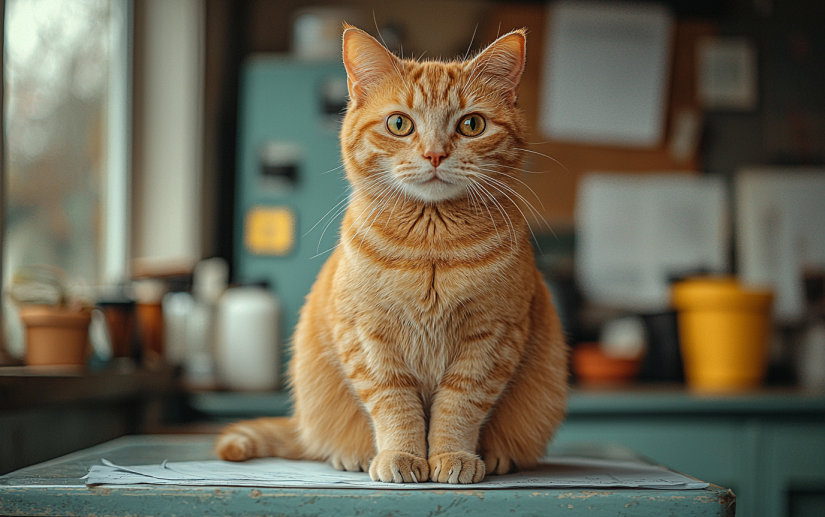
(259, 438)
(332, 423)
(533, 406)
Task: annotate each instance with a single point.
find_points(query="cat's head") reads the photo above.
(433, 130)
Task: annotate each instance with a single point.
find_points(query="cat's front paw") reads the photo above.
(456, 467)
(398, 467)
(234, 447)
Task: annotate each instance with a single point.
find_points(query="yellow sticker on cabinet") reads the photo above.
(270, 231)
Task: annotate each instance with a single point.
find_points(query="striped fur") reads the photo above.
(428, 347)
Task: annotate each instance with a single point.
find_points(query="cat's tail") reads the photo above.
(259, 438)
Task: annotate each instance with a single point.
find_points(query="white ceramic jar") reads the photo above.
(247, 339)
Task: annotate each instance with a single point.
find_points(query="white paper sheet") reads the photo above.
(565, 472)
(605, 73)
(636, 231)
(780, 229)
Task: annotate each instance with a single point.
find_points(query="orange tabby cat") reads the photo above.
(428, 347)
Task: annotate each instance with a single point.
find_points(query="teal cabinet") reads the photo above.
(792, 459)
(709, 450)
(769, 448)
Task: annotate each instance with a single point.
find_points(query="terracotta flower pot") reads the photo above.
(55, 335)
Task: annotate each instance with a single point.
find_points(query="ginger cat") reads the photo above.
(428, 347)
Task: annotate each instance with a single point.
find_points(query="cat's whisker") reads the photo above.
(523, 199)
(331, 219)
(514, 192)
(383, 206)
(525, 171)
(471, 196)
(473, 186)
(487, 81)
(475, 76)
(535, 239)
(355, 195)
(376, 201)
(470, 46)
(511, 228)
(397, 192)
(520, 181)
(546, 156)
(322, 253)
(393, 61)
(338, 204)
(332, 170)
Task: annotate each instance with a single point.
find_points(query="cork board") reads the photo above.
(556, 178)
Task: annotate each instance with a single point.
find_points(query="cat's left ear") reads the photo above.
(502, 62)
(367, 62)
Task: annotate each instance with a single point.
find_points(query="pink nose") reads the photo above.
(435, 157)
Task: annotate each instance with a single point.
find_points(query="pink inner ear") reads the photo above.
(504, 59)
(366, 61)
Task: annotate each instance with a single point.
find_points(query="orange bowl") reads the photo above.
(592, 366)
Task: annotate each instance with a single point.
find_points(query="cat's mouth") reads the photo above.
(433, 187)
(435, 180)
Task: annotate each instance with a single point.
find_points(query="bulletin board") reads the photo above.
(557, 177)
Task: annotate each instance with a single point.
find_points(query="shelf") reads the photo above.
(641, 400)
(23, 387)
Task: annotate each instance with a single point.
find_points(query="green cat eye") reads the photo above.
(472, 125)
(399, 125)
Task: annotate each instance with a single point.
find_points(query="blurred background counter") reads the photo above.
(51, 411)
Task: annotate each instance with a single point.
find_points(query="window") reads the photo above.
(66, 120)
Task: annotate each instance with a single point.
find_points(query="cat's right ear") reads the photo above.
(367, 62)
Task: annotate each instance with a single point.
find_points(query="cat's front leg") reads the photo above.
(398, 420)
(390, 395)
(465, 396)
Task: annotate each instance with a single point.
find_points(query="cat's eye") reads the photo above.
(472, 125)
(399, 125)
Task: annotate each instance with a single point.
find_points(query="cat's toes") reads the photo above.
(456, 467)
(497, 463)
(350, 464)
(398, 467)
(233, 447)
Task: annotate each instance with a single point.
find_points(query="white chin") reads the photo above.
(433, 192)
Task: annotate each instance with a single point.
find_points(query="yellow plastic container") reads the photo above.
(724, 331)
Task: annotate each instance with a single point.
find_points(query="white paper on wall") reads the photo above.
(780, 230)
(605, 73)
(634, 232)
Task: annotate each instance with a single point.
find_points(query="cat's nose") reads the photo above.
(435, 156)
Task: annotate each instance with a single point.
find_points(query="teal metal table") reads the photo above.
(54, 488)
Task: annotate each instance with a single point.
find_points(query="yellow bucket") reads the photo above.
(724, 331)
